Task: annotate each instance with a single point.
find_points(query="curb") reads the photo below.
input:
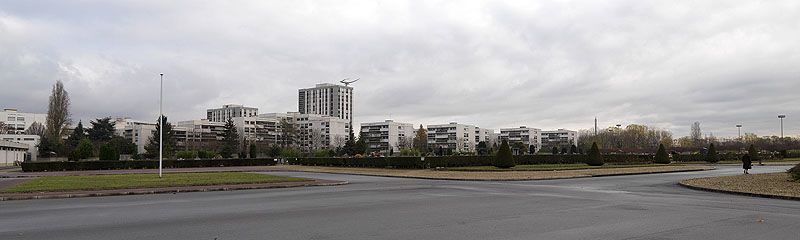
(145, 191)
(507, 180)
(738, 193)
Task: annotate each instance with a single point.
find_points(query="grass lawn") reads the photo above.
(778, 184)
(124, 181)
(548, 167)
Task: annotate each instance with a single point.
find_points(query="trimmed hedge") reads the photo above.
(728, 156)
(460, 161)
(142, 164)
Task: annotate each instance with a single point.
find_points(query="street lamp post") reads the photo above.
(161, 125)
(781, 117)
(739, 126)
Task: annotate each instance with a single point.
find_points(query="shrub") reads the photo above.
(290, 153)
(795, 172)
(555, 151)
(186, 155)
(594, 158)
(406, 152)
(107, 152)
(712, 155)
(504, 158)
(661, 155)
(84, 150)
(203, 154)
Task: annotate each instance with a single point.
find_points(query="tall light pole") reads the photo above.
(739, 126)
(781, 117)
(161, 125)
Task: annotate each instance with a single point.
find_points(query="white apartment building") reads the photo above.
(386, 135)
(258, 129)
(32, 141)
(559, 138)
(198, 134)
(230, 111)
(313, 131)
(139, 132)
(327, 99)
(17, 122)
(455, 137)
(527, 136)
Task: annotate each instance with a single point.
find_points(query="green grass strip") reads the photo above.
(125, 181)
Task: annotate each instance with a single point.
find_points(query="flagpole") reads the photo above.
(161, 126)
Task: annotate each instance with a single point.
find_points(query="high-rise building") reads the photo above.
(16, 122)
(561, 138)
(386, 135)
(327, 99)
(230, 111)
(527, 136)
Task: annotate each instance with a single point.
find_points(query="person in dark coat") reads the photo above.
(746, 163)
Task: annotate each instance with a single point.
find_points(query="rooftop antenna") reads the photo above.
(347, 83)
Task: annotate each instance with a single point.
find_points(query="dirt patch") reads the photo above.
(497, 176)
(778, 185)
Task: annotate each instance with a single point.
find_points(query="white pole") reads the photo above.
(161, 126)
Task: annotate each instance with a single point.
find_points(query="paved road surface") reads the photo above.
(623, 207)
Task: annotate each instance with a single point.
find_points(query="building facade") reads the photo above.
(309, 131)
(32, 141)
(198, 134)
(524, 135)
(138, 132)
(230, 111)
(387, 136)
(12, 152)
(561, 138)
(16, 122)
(454, 137)
(327, 99)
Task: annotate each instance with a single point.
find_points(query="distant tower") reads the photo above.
(327, 99)
(595, 126)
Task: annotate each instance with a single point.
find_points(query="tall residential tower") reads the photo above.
(327, 99)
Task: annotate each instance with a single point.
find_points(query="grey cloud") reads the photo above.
(546, 64)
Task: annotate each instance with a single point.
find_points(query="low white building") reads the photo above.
(386, 135)
(17, 122)
(11, 152)
(527, 136)
(561, 138)
(198, 134)
(32, 141)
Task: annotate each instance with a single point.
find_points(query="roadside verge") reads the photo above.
(767, 185)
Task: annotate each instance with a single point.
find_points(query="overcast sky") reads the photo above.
(544, 64)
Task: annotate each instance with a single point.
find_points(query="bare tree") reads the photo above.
(58, 116)
(3, 128)
(36, 128)
(696, 133)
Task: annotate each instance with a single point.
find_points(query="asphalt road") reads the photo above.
(623, 207)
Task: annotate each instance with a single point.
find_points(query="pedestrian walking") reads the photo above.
(747, 164)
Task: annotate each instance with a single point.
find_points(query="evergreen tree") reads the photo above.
(361, 144)
(573, 149)
(532, 149)
(661, 155)
(253, 151)
(712, 155)
(563, 150)
(84, 150)
(482, 148)
(504, 157)
(421, 140)
(230, 140)
(108, 152)
(595, 158)
(753, 154)
(102, 130)
(274, 151)
(75, 137)
(169, 140)
(350, 146)
(555, 150)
